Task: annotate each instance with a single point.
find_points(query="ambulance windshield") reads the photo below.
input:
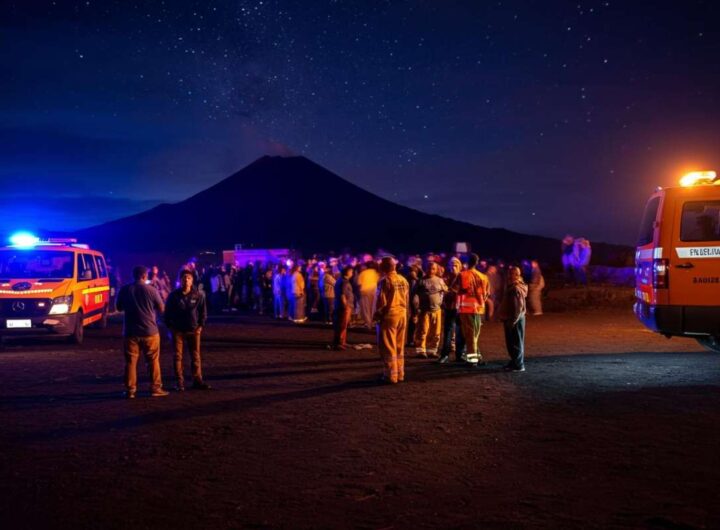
(35, 264)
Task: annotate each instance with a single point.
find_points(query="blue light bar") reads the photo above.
(24, 239)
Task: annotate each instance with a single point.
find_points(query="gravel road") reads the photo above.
(610, 427)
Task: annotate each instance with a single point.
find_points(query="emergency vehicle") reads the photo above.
(677, 261)
(53, 286)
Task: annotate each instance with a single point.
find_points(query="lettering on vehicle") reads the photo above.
(698, 252)
(706, 279)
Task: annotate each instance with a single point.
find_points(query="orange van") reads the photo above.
(56, 286)
(677, 261)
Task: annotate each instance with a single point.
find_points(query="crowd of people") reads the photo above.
(433, 305)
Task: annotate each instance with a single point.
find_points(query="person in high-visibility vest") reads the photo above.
(391, 316)
(472, 295)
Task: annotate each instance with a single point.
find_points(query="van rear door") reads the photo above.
(694, 275)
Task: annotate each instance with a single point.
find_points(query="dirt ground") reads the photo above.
(611, 426)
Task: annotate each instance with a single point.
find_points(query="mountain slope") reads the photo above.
(294, 203)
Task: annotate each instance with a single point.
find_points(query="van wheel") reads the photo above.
(103, 322)
(78, 334)
(711, 343)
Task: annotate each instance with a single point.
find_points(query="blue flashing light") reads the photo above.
(24, 239)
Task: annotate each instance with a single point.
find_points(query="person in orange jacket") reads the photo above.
(391, 317)
(472, 295)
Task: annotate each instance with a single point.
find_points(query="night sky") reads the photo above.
(541, 117)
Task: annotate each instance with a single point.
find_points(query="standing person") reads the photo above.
(279, 292)
(391, 316)
(537, 284)
(185, 317)
(313, 291)
(141, 303)
(512, 313)
(451, 324)
(267, 289)
(344, 303)
(472, 296)
(158, 281)
(428, 300)
(328, 289)
(114, 283)
(367, 286)
(497, 286)
(297, 291)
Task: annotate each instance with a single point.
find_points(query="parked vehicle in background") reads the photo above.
(53, 286)
(677, 260)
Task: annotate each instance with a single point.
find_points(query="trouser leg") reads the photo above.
(460, 347)
(193, 340)
(432, 340)
(520, 342)
(470, 324)
(291, 307)
(342, 321)
(401, 328)
(300, 308)
(178, 344)
(366, 300)
(329, 305)
(132, 352)
(448, 327)
(387, 346)
(421, 332)
(151, 345)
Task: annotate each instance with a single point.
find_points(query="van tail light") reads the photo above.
(660, 273)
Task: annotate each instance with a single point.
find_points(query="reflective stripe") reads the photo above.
(698, 252)
(95, 290)
(649, 253)
(34, 291)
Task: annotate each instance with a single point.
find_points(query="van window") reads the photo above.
(86, 267)
(647, 226)
(101, 266)
(700, 221)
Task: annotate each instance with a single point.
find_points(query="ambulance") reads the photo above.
(677, 261)
(53, 286)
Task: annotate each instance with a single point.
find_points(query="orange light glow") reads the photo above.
(695, 178)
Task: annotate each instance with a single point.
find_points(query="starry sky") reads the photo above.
(539, 116)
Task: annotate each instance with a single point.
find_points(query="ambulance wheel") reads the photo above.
(711, 343)
(78, 334)
(103, 322)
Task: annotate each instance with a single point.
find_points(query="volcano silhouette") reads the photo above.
(292, 202)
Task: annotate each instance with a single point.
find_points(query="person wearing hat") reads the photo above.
(391, 317)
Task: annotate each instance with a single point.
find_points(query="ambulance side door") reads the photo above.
(695, 257)
(86, 279)
(102, 289)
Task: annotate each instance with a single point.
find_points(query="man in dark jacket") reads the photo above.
(185, 317)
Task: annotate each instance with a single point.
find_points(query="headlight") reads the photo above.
(61, 305)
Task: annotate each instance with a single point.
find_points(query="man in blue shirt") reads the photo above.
(141, 303)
